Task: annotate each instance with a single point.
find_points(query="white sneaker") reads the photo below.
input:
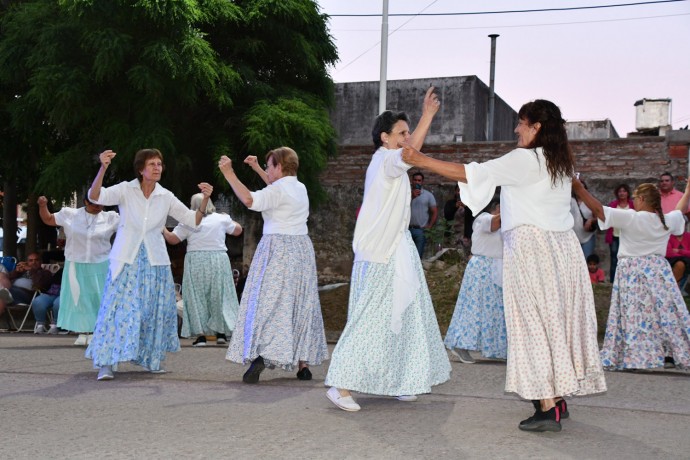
(81, 340)
(89, 338)
(462, 355)
(407, 398)
(346, 403)
(39, 329)
(105, 373)
(53, 329)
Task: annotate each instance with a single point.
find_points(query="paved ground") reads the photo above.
(51, 406)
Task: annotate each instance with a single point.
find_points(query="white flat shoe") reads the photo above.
(81, 340)
(346, 403)
(407, 398)
(105, 373)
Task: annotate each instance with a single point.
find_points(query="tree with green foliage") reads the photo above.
(194, 78)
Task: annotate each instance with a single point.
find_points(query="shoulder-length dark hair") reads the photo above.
(552, 137)
(384, 124)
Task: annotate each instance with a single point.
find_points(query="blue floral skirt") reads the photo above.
(478, 322)
(137, 320)
(648, 319)
(280, 312)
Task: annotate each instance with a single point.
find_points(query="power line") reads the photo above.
(538, 10)
(522, 25)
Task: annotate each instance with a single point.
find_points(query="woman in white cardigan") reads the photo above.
(391, 344)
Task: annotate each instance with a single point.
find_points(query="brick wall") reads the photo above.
(602, 163)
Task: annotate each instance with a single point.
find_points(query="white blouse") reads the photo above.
(642, 233)
(142, 221)
(87, 235)
(284, 206)
(385, 212)
(209, 235)
(527, 195)
(484, 241)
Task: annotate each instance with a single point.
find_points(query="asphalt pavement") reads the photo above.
(52, 407)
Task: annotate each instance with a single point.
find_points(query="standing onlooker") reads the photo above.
(423, 213)
(280, 311)
(391, 344)
(478, 322)
(622, 201)
(208, 287)
(585, 225)
(648, 321)
(19, 285)
(548, 300)
(88, 231)
(596, 274)
(137, 320)
(669, 195)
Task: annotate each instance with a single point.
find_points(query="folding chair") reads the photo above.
(16, 308)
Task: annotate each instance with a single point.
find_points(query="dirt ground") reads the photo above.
(443, 277)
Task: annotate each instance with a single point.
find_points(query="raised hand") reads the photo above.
(411, 155)
(252, 161)
(431, 102)
(206, 189)
(106, 157)
(225, 164)
(42, 201)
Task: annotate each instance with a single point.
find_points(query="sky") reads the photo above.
(593, 63)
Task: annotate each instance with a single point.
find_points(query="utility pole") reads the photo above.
(492, 96)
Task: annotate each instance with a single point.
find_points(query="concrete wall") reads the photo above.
(595, 129)
(464, 104)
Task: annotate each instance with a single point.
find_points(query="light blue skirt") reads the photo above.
(81, 316)
(208, 290)
(478, 322)
(369, 357)
(280, 313)
(137, 320)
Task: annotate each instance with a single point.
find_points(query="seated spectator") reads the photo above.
(26, 278)
(678, 255)
(48, 300)
(596, 274)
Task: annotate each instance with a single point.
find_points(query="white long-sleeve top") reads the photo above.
(209, 235)
(141, 221)
(580, 211)
(642, 233)
(284, 206)
(527, 195)
(484, 241)
(87, 235)
(385, 212)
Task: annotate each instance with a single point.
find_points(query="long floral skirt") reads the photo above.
(137, 320)
(280, 313)
(208, 290)
(370, 357)
(550, 317)
(79, 313)
(478, 322)
(648, 319)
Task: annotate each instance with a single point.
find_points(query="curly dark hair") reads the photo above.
(384, 124)
(551, 137)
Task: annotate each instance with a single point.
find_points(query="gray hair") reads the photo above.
(196, 203)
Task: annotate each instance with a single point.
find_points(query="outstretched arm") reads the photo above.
(241, 190)
(414, 157)
(430, 106)
(252, 161)
(105, 157)
(206, 189)
(46, 216)
(592, 203)
(170, 237)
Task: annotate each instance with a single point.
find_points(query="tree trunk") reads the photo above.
(9, 219)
